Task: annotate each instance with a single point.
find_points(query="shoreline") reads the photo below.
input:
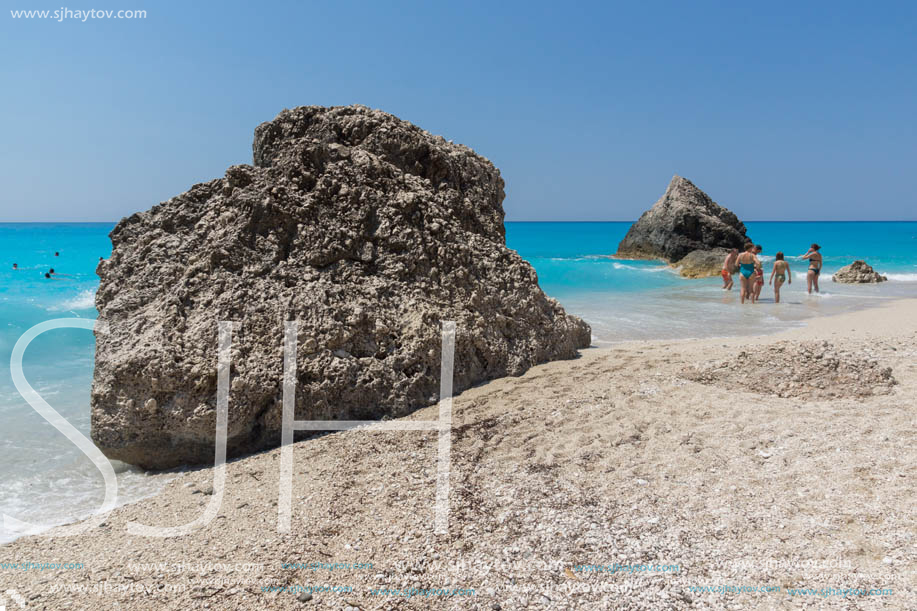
(611, 457)
(790, 332)
(722, 309)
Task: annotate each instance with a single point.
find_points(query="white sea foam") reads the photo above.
(639, 268)
(73, 494)
(901, 277)
(824, 275)
(84, 300)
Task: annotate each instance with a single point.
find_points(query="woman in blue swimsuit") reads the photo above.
(747, 263)
(815, 262)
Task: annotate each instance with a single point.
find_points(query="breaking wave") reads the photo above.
(84, 300)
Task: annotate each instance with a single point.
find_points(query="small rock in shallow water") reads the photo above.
(858, 272)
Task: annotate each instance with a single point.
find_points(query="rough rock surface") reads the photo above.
(684, 219)
(805, 370)
(702, 263)
(858, 272)
(364, 228)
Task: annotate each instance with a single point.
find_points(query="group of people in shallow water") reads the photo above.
(751, 271)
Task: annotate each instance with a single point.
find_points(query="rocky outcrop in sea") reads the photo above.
(858, 272)
(702, 263)
(364, 228)
(684, 220)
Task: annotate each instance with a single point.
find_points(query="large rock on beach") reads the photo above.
(858, 272)
(364, 228)
(684, 219)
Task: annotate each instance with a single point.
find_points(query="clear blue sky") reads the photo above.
(779, 110)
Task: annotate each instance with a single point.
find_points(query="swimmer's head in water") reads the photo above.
(51, 271)
(47, 275)
(15, 266)
(56, 254)
(779, 255)
(815, 247)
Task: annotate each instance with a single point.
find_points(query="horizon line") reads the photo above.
(754, 221)
(513, 221)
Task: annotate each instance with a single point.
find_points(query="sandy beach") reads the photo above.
(613, 481)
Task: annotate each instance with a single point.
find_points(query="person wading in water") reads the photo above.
(747, 263)
(815, 261)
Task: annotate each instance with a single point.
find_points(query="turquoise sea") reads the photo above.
(44, 478)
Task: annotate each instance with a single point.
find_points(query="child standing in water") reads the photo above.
(747, 262)
(759, 275)
(782, 273)
(729, 268)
